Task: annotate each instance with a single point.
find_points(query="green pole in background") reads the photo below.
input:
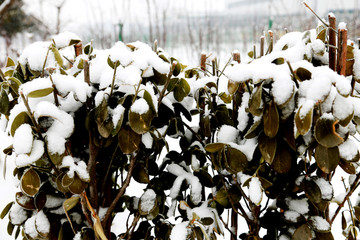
(270, 23)
(120, 31)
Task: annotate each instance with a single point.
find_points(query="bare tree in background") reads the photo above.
(58, 20)
(151, 39)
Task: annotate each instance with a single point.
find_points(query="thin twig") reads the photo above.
(162, 94)
(352, 189)
(43, 68)
(121, 192)
(317, 16)
(117, 63)
(55, 92)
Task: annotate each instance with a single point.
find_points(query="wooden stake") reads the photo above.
(86, 72)
(203, 62)
(342, 48)
(332, 42)
(271, 43)
(262, 43)
(78, 49)
(236, 57)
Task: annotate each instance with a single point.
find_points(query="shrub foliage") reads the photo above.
(260, 140)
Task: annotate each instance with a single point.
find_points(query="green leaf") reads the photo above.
(21, 118)
(190, 73)
(177, 69)
(141, 174)
(4, 102)
(110, 63)
(357, 212)
(30, 182)
(149, 100)
(267, 147)
(57, 56)
(172, 84)
(233, 86)
(81, 64)
(327, 159)
(129, 140)
(25, 201)
(322, 35)
(347, 166)
(159, 78)
(207, 220)
(40, 92)
(325, 132)
(66, 181)
(313, 191)
(255, 102)
(222, 198)
(205, 126)
(225, 97)
(302, 233)
(59, 185)
(278, 61)
(6, 210)
(40, 200)
(140, 123)
(56, 158)
(88, 49)
(10, 228)
(17, 232)
(204, 178)
(271, 120)
(343, 221)
(181, 90)
(214, 147)
(303, 125)
(282, 159)
(235, 160)
(14, 83)
(254, 130)
(74, 41)
(104, 124)
(10, 62)
(70, 203)
(77, 186)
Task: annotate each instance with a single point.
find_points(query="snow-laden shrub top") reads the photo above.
(271, 129)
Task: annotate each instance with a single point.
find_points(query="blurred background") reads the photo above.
(182, 28)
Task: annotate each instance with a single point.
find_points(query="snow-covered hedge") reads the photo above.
(260, 140)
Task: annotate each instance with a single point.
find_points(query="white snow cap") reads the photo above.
(140, 106)
(342, 25)
(75, 166)
(147, 200)
(190, 178)
(23, 139)
(61, 128)
(34, 55)
(64, 39)
(255, 191)
(180, 231)
(227, 134)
